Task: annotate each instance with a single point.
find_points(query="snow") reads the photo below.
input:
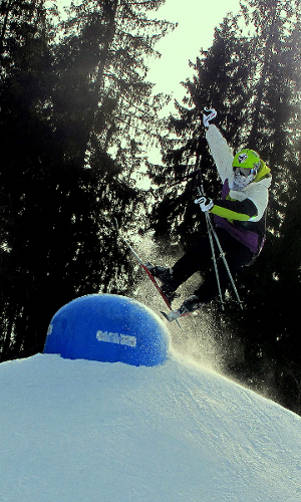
(74, 431)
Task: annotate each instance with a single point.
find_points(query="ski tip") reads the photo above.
(164, 315)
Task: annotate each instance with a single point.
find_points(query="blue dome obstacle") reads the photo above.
(108, 328)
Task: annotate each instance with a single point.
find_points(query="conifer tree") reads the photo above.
(275, 133)
(109, 41)
(62, 186)
(251, 74)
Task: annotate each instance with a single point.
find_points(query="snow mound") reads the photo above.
(84, 430)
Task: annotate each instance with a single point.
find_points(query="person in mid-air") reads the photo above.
(239, 218)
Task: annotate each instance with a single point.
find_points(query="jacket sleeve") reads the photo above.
(235, 210)
(221, 152)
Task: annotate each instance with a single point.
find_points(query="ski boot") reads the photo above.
(168, 292)
(189, 305)
(165, 276)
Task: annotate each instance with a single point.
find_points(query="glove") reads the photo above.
(205, 203)
(208, 115)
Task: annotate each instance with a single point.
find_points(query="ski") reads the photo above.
(149, 275)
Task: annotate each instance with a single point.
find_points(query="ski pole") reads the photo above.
(212, 232)
(222, 254)
(201, 192)
(209, 231)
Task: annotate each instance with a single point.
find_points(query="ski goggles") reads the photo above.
(244, 172)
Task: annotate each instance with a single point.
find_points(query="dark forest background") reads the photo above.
(78, 117)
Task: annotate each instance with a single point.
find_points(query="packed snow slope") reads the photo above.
(74, 431)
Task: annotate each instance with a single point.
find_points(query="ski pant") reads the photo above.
(198, 258)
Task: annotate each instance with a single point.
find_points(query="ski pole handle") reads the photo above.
(200, 190)
(208, 115)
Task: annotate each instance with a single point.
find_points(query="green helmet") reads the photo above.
(247, 159)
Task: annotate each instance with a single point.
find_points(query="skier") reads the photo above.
(238, 217)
